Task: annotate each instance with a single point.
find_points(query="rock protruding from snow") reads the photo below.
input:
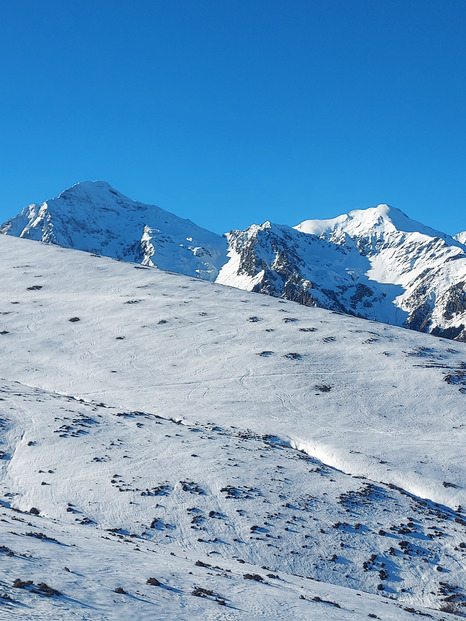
(94, 217)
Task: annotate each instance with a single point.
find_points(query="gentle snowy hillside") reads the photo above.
(92, 216)
(209, 438)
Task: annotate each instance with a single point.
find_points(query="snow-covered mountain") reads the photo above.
(176, 449)
(94, 217)
(461, 237)
(375, 263)
(282, 262)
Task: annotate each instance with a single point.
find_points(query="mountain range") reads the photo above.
(375, 263)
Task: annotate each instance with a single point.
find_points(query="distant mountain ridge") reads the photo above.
(375, 263)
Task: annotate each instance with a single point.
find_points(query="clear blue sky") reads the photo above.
(232, 112)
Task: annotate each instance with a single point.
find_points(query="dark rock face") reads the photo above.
(457, 334)
(420, 317)
(456, 300)
(362, 291)
(285, 263)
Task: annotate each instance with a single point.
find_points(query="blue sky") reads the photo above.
(236, 112)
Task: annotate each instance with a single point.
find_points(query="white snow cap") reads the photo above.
(382, 219)
(461, 237)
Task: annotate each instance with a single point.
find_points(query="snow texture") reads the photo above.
(175, 449)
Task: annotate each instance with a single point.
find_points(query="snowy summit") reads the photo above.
(94, 217)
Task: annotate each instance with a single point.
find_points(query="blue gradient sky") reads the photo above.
(234, 112)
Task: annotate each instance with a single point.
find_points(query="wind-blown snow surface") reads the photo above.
(94, 217)
(162, 425)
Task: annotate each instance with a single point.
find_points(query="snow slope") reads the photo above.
(123, 498)
(93, 216)
(222, 433)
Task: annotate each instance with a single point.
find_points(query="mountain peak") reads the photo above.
(362, 222)
(384, 218)
(461, 237)
(93, 216)
(384, 210)
(92, 190)
(89, 185)
(389, 213)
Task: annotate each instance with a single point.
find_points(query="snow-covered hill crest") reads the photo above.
(94, 217)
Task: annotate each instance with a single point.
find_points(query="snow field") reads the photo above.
(220, 426)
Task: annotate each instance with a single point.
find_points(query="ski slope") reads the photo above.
(156, 421)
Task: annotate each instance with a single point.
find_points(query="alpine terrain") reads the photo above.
(172, 448)
(94, 217)
(374, 263)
